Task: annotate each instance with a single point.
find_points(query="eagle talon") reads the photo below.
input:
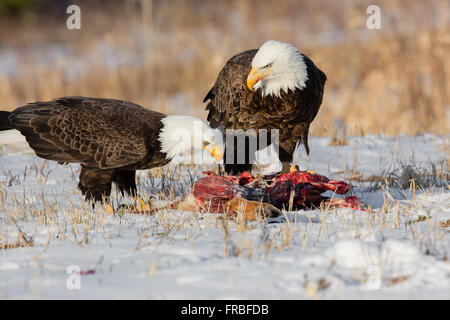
(109, 208)
(141, 205)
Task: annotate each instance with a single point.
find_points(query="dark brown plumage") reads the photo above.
(232, 105)
(111, 139)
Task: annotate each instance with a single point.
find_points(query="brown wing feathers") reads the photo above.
(101, 133)
(230, 94)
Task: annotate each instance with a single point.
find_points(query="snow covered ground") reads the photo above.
(396, 249)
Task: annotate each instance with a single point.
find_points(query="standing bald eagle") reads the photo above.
(111, 139)
(275, 87)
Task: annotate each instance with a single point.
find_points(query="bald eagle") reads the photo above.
(111, 139)
(275, 87)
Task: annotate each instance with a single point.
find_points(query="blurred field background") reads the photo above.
(166, 55)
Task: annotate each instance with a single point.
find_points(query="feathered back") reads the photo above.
(95, 132)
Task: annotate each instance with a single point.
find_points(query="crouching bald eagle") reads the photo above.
(275, 87)
(111, 139)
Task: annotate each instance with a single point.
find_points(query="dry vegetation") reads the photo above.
(167, 54)
(41, 209)
(48, 220)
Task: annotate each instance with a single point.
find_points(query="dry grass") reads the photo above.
(403, 174)
(167, 54)
(22, 239)
(31, 218)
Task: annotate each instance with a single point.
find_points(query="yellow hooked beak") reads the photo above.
(254, 76)
(215, 152)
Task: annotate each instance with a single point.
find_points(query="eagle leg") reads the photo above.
(233, 164)
(126, 181)
(286, 167)
(95, 184)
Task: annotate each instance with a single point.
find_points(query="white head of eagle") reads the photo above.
(277, 66)
(181, 134)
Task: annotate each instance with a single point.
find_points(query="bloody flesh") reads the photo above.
(294, 190)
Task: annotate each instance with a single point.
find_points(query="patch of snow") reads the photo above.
(387, 253)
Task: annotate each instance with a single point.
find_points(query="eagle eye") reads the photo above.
(267, 66)
(206, 143)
